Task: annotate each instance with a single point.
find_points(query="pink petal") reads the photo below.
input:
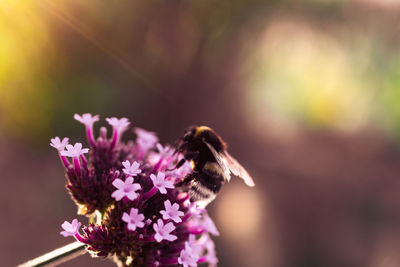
(164, 214)
(171, 237)
(118, 183)
(158, 237)
(131, 195)
(167, 204)
(125, 217)
(169, 227)
(162, 190)
(118, 195)
(136, 187)
(126, 164)
(132, 227)
(129, 180)
(140, 217)
(78, 146)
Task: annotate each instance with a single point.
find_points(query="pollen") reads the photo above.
(201, 129)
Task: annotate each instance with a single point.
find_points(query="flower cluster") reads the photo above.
(137, 215)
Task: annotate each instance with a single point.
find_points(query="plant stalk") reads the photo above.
(57, 256)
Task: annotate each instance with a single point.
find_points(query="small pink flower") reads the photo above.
(166, 151)
(145, 139)
(134, 219)
(195, 244)
(58, 144)
(74, 151)
(172, 212)
(163, 231)
(182, 171)
(70, 229)
(118, 124)
(160, 183)
(125, 189)
(211, 255)
(188, 257)
(87, 119)
(131, 170)
(209, 225)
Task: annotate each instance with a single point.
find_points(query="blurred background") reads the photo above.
(306, 93)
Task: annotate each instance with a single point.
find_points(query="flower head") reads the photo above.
(160, 183)
(133, 219)
(163, 232)
(131, 169)
(125, 189)
(70, 229)
(117, 185)
(58, 144)
(87, 119)
(172, 212)
(74, 151)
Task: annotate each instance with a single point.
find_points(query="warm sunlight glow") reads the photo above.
(240, 211)
(24, 50)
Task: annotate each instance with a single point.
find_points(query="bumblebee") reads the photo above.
(211, 163)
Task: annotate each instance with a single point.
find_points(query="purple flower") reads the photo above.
(58, 144)
(163, 231)
(145, 140)
(118, 184)
(125, 189)
(87, 119)
(210, 248)
(172, 212)
(133, 219)
(74, 151)
(188, 256)
(209, 225)
(166, 151)
(119, 124)
(182, 171)
(70, 229)
(160, 183)
(131, 170)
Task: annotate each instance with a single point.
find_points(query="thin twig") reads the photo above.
(57, 256)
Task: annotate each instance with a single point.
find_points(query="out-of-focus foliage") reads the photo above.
(337, 79)
(301, 63)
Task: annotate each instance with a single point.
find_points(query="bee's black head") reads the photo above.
(186, 139)
(194, 138)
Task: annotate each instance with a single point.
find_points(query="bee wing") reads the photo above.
(222, 162)
(238, 170)
(230, 165)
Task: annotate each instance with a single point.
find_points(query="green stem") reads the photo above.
(57, 256)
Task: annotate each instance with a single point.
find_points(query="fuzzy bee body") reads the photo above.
(211, 163)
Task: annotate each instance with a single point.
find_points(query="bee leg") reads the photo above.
(180, 163)
(187, 179)
(188, 155)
